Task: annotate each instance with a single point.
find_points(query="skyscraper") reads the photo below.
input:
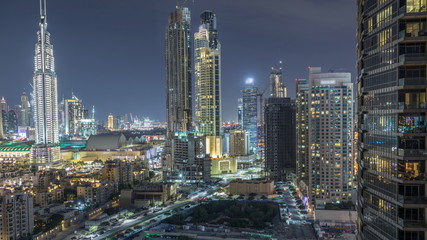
(3, 104)
(392, 124)
(25, 110)
(178, 72)
(74, 113)
(207, 65)
(280, 139)
(46, 149)
(12, 121)
(301, 104)
(240, 112)
(110, 123)
(250, 113)
(330, 136)
(277, 85)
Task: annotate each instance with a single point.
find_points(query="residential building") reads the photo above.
(239, 143)
(16, 209)
(302, 160)
(392, 111)
(331, 174)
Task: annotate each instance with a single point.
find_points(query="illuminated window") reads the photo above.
(416, 5)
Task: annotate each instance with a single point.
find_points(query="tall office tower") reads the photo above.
(280, 139)
(110, 123)
(12, 121)
(301, 102)
(74, 113)
(330, 136)
(178, 72)
(240, 112)
(277, 85)
(25, 110)
(392, 112)
(250, 113)
(16, 209)
(207, 66)
(3, 104)
(46, 149)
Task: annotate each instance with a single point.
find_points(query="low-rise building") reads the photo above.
(260, 187)
(53, 194)
(97, 192)
(223, 165)
(144, 194)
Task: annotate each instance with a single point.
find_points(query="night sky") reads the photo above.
(111, 52)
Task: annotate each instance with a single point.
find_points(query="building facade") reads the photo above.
(207, 68)
(392, 63)
(239, 143)
(16, 209)
(46, 149)
(178, 72)
(301, 104)
(277, 85)
(280, 138)
(331, 174)
(250, 113)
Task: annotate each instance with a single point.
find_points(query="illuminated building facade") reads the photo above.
(16, 209)
(250, 113)
(207, 65)
(392, 63)
(178, 72)
(46, 149)
(277, 85)
(330, 136)
(301, 104)
(74, 113)
(239, 143)
(280, 138)
(110, 123)
(25, 110)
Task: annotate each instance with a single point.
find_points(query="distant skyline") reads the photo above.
(111, 54)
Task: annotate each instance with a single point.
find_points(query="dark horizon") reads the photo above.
(124, 73)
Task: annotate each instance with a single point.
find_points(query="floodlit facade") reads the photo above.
(46, 149)
(74, 113)
(330, 136)
(110, 123)
(392, 108)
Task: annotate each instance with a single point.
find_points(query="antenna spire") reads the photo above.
(43, 11)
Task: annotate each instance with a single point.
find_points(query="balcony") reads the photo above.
(411, 223)
(412, 36)
(412, 81)
(413, 58)
(411, 152)
(414, 105)
(405, 129)
(412, 199)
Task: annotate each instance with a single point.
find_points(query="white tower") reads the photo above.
(46, 149)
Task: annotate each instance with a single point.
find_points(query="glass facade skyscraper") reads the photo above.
(250, 113)
(392, 107)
